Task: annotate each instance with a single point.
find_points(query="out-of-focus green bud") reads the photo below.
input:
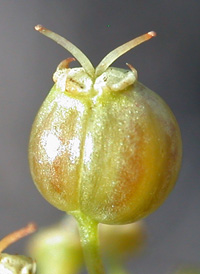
(57, 249)
(122, 240)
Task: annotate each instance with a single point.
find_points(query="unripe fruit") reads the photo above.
(57, 248)
(121, 241)
(102, 143)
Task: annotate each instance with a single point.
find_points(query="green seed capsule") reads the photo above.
(102, 143)
(57, 248)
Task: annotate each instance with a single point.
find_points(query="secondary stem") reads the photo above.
(88, 230)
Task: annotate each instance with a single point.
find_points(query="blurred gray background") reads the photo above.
(168, 64)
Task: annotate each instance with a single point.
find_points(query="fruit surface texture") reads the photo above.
(114, 155)
(104, 144)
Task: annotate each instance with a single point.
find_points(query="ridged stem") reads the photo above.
(88, 230)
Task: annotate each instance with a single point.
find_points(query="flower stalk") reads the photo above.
(88, 230)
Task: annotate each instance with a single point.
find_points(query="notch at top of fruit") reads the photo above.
(87, 76)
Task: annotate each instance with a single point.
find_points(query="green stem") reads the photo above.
(88, 230)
